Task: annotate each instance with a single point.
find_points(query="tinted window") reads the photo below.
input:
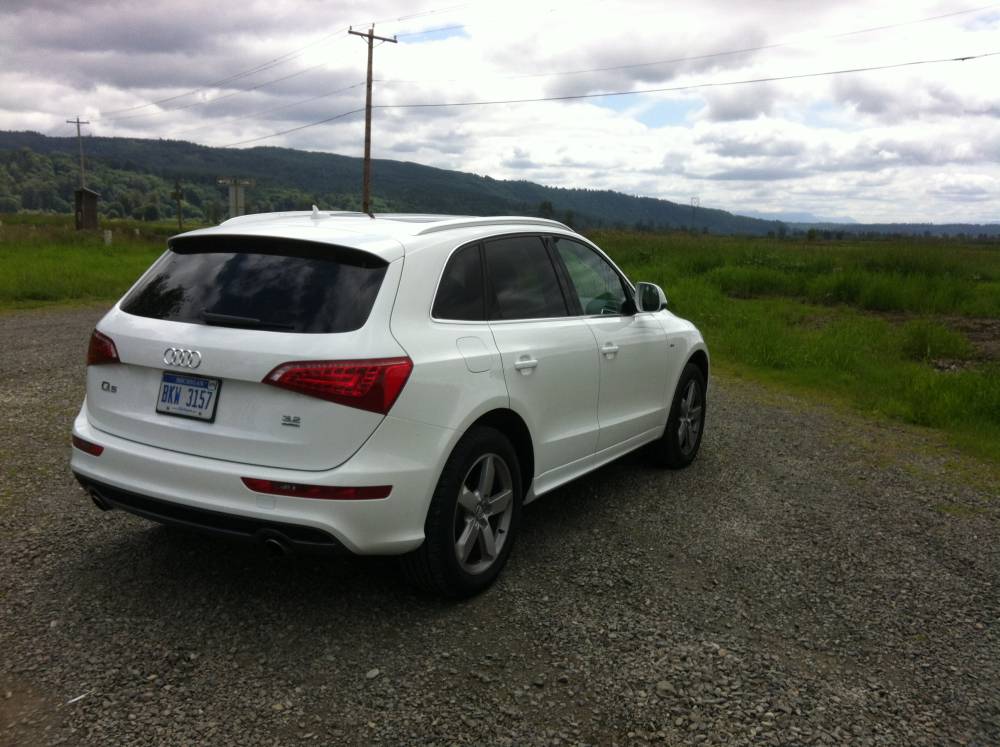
(460, 294)
(522, 281)
(286, 286)
(597, 285)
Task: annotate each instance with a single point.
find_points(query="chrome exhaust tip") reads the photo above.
(99, 501)
(276, 548)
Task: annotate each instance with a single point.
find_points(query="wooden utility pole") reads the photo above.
(79, 140)
(366, 179)
(178, 194)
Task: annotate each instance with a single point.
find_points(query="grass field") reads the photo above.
(44, 261)
(904, 328)
(877, 324)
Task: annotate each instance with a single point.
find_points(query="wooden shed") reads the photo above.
(86, 208)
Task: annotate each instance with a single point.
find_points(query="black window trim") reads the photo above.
(571, 299)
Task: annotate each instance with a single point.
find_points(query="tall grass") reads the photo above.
(43, 264)
(800, 315)
(925, 276)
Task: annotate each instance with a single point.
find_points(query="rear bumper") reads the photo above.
(290, 536)
(209, 495)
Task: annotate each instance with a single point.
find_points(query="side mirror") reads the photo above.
(650, 297)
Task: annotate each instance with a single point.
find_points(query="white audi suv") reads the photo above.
(397, 384)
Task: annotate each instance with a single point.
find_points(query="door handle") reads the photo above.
(525, 365)
(609, 349)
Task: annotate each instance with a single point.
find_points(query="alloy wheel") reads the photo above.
(689, 424)
(483, 513)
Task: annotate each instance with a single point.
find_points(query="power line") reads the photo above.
(431, 31)
(255, 87)
(281, 59)
(919, 20)
(242, 74)
(293, 129)
(220, 97)
(712, 55)
(424, 13)
(693, 86)
(273, 109)
(668, 89)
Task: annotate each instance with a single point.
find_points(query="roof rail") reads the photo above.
(262, 217)
(495, 221)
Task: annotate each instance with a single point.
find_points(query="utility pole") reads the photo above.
(178, 195)
(79, 139)
(366, 180)
(237, 193)
(695, 203)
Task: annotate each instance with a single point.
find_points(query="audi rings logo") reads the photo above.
(182, 358)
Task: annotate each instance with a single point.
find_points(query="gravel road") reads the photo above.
(813, 578)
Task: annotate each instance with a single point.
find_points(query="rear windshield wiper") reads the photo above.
(229, 320)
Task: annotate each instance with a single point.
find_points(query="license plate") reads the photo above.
(188, 396)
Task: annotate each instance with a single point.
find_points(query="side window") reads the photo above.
(522, 280)
(596, 283)
(460, 294)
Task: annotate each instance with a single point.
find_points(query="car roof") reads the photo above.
(387, 235)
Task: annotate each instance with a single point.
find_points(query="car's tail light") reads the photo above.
(324, 492)
(86, 446)
(370, 385)
(101, 350)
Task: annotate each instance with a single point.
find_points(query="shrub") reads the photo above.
(924, 340)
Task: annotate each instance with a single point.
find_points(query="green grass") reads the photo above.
(43, 264)
(925, 276)
(801, 315)
(858, 322)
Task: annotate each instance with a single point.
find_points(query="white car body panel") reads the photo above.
(386, 526)
(248, 425)
(631, 400)
(551, 370)
(582, 407)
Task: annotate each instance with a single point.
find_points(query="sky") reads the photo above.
(916, 143)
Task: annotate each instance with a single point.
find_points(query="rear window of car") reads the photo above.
(260, 283)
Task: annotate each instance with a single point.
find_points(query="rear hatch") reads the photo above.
(215, 315)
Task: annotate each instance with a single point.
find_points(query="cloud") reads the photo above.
(966, 189)
(892, 145)
(520, 159)
(650, 59)
(920, 99)
(746, 102)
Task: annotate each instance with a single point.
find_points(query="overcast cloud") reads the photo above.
(919, 143)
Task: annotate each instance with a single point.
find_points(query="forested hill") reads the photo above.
(135, 178)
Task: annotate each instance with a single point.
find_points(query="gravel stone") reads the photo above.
(813, 578)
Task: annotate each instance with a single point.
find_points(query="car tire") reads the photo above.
(472, 520)
(681, 439)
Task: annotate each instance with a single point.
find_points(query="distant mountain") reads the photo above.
(972, 230)
(795, 217)
(137, 176)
